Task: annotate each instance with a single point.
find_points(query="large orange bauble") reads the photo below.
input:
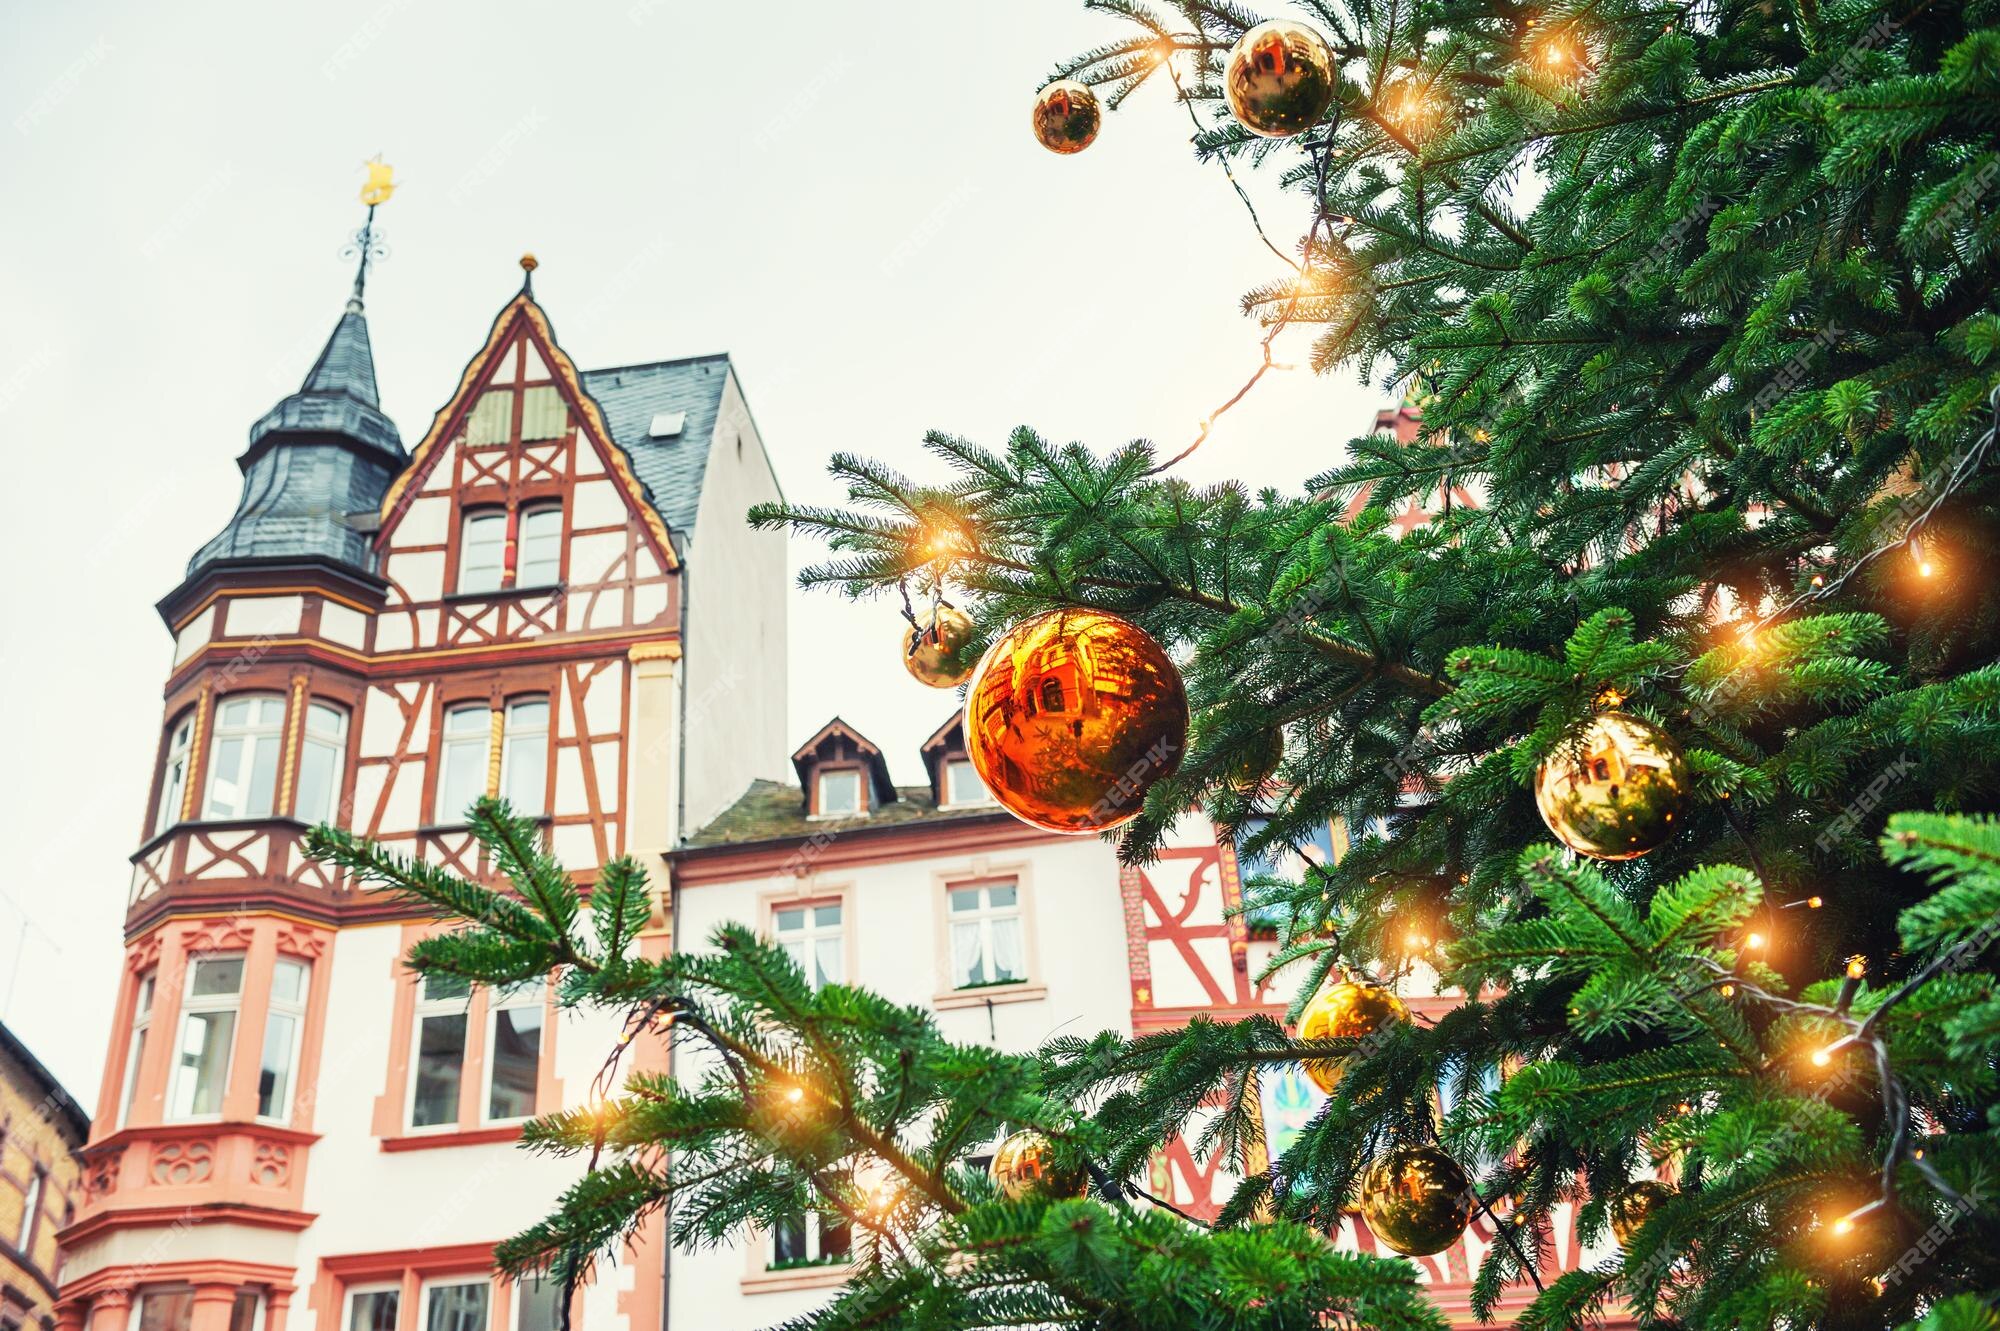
(1072, 716)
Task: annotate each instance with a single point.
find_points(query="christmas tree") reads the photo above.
(1671, 751)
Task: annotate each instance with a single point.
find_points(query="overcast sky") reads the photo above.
(846, 198)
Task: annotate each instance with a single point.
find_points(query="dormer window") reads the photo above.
(840, 793)
(962, 785)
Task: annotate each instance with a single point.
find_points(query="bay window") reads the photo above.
(812, 937)
(142, 1022)
(514, 1051)
(986, 939)
(524, 763)
(282, 1029)
(243, 762)
(322, 755)
(209, 1008)
(174, 776)
(462, 759)
(166, 1310)
(538, 561)
(439, 1056)
(482, 551)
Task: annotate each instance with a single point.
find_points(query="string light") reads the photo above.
(1857, 967)
(1754, 941)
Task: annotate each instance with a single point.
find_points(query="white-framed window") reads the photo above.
(322, 756)
(812, 935)
(243, 762)
(962, 785)
(174, 776)
(538, 558)
(438, 1063)
(291, 981)
(987, 946)
(482, 550)
(213, 996)
(514, 1050)
(166, 1310)
(31, 1210)
(462, 759)
(538, 1303)
(142, 1022)
(373, 1308)
(458, 1304)
(807, 1238)
(524, 756)
(839, 793)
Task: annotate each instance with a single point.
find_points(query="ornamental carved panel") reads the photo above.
(100, 1176)
(177, 1164)
(270, 1164)
(304, 943)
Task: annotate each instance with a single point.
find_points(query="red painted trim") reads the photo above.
(137, 1217)
(509, 1132)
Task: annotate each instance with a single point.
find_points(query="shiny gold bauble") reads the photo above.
(934, 647)
(1071, 716)
(1067, 116)
(1350, 1010)
(1279, 81)
(1025, 1163)
(1616, 790)
(1258, 762)
(1633, 1206)
(1416, 1200)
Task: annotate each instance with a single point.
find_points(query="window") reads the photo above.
(538, 1303)
(173, 777)
(809, 1239)
(514, 1051)
(290, 982)
(962, 785)
(440, 1050)
(468, 738)
(208, 1033)
(166, 1310)
(142, 1021)
(31, 1210)
(321, 755)
(373, 1309)
(543, 415)
(247, 1312)
(524, 764)
(986, 944)
(457, 1305)
(492, 418)
(243, 765)
(839, 793)
(482, 549)
(539, 561)
(1052, 695)
(811, 936)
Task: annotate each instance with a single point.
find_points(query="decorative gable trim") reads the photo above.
(445, 425)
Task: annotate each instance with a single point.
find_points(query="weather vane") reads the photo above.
(365, 245)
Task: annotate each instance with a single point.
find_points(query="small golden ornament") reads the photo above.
(1633, 1206)
(1280, 79)
(1071, 716)
(1259, 762)
(1614, 791)
(1025, 1163)
(1416, 1200)
(1067, 116)
(1349, 1010)
(933, 647)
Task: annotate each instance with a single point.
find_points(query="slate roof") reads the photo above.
(45, 1089)
(671, 469)
(776, 811)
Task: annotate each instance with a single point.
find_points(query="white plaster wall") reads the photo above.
(195, 635)
(342, 624)
(262, 616)
(736, 584)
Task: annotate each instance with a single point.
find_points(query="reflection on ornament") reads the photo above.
(1615, 791)
(1349, 1010)
(1633, 1206)
(1025, 1163)
(1071, 716)
(1416, 1200)
(1066, 117)
(1279, 81)
(933, 647)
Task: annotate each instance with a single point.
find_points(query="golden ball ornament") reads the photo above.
(1280, 79)
(934, 647)
(1067, 116)
(1416, 1200)
(1258, 762)
(1025, 1164)
(1348, 1010)
(1615, 790)
(1632, 1206)
(1071, 717)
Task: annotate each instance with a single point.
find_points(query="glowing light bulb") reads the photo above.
(1843, 1226)
(1821, 1058)
(795, 1095)
(1729, 991)
(1818, 580)
(1857, 967)
(1754, 941)
(1815, 902)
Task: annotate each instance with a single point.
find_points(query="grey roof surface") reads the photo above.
(671, 469)
(776, 811)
